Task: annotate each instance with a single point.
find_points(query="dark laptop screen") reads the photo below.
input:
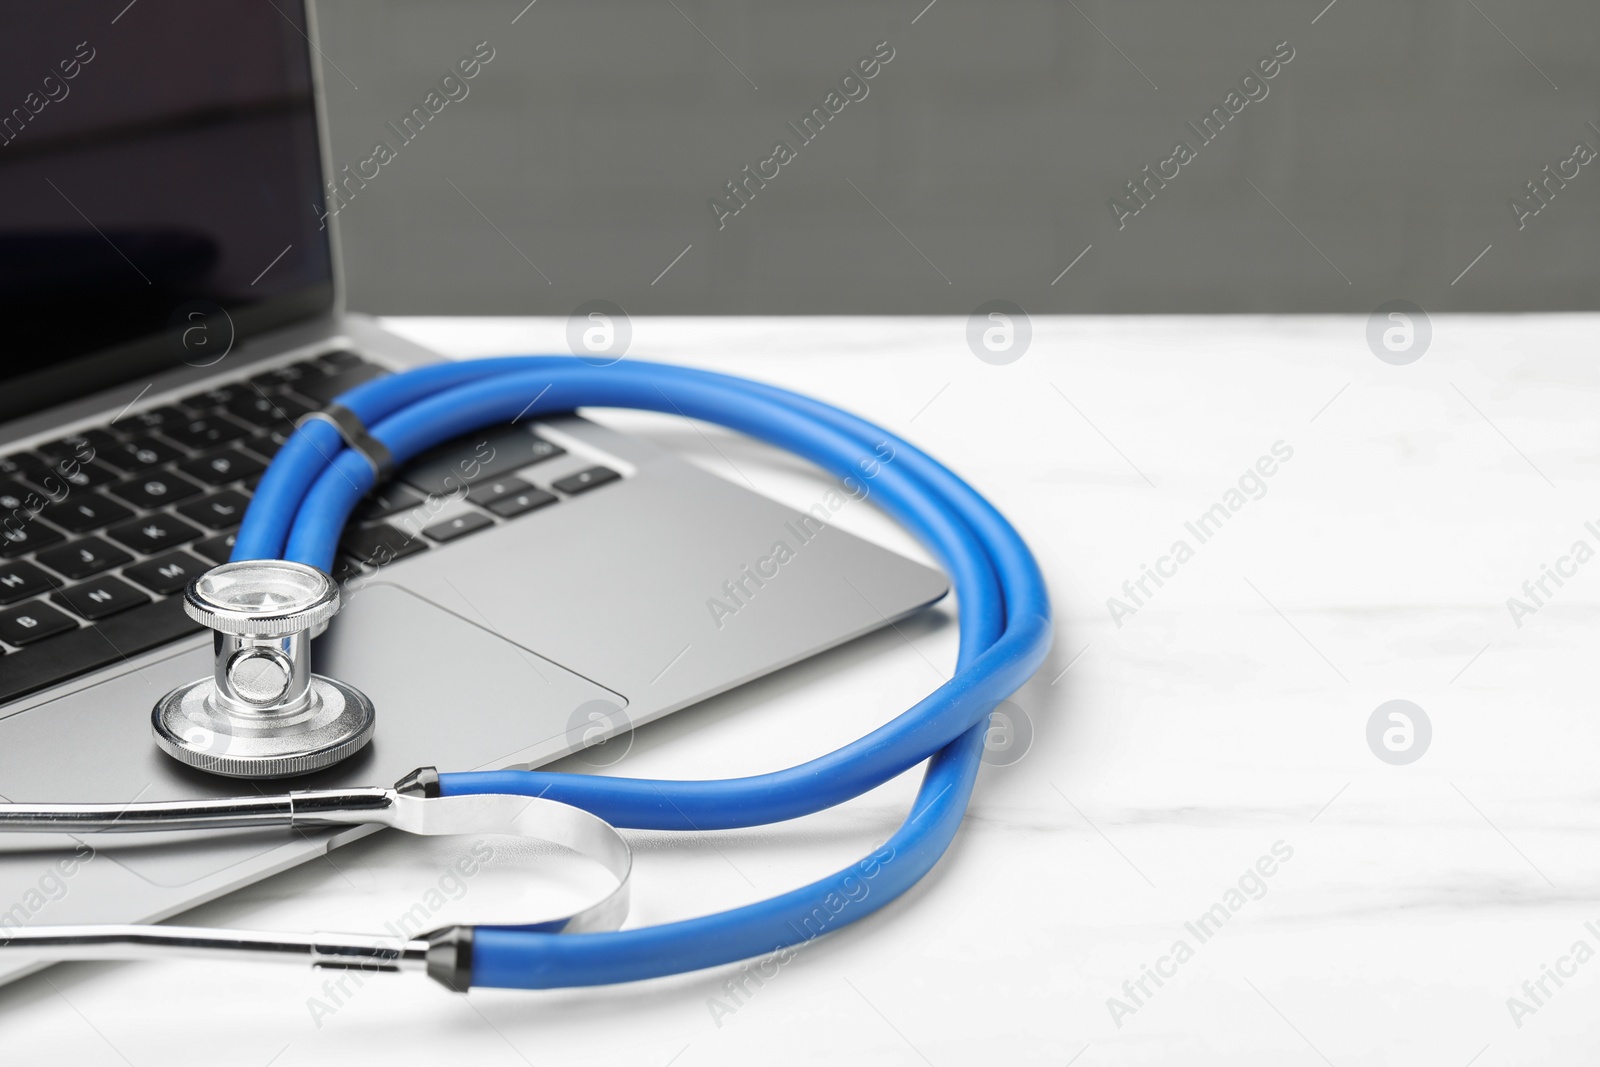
(159, 177)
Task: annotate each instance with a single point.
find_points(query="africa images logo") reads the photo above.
(853, 88)
(1253, 88)
(453, 88)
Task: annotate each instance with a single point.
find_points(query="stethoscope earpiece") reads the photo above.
(414, 805)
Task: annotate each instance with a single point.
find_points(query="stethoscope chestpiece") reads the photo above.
(262, 713)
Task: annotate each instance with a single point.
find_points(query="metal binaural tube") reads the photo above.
(445, 955)
(413, 805)
(362, 952)
(311, 808)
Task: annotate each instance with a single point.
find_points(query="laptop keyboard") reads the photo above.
(101, 531)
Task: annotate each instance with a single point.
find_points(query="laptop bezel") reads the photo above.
(152, 356)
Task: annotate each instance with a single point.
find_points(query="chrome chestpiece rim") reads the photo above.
(262, 598)
(262, 713)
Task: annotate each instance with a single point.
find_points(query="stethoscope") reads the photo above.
(263, 712)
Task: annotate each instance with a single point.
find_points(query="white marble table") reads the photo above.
(1175, 748)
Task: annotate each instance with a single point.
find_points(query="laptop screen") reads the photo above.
(159, 188)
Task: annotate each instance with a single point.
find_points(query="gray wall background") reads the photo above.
(1378, 167)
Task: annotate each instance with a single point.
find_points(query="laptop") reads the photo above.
(171, 299)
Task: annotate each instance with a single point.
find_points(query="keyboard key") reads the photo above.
(105, 596)
(217, 549)
(156, 490)
(20, 579)
(153, 533)
(207, 431)
(382, 544)
(82, 512)
(14, 497)
(154, 419)
(139, 454)
(17, 539)
(66, 446)
(102, 438)
(282, 377)
(30, 622)
(212, 399)
(387, 499)
(68, 474)
(268, 411)
(166, 574)
(475, 457)
(81, 446)
(91, 647)
(223, 466)
(345, 568)
(459, 526)
(340, 360)
(219, 511)
(83, 558)
(19, 463)
(583, 481)
(513, 504)
(485, 493)
(266, 445)
(323, 388)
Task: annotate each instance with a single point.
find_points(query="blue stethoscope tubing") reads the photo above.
(303, 501)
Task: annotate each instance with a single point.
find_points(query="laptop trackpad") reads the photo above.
(449, 693)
